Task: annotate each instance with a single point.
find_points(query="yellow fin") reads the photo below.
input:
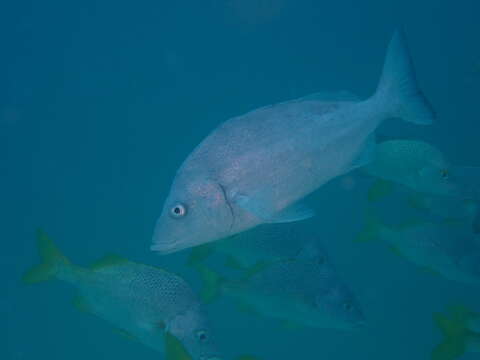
(126, 335)
(199, 254)
(255, 269)
(211, 283)
(81, 304)
(379, 190)
(396, 251)
(290, 325)
(448, 350)
(109, 260)
(233, 263)
(454, 329)
(174, 349)
(51, 259)
(371, 229)
(246, 308)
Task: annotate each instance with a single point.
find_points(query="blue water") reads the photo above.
(100, 102)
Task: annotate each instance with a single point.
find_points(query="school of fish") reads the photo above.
(240, 196)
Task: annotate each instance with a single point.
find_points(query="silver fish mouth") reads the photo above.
(169, 249)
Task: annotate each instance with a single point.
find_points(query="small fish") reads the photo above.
(445, 208)
(256, 168)
(264, 243)
(420, 167)
(448, 249)
(415, 164)
(461, 333)
(143, 302)
(305, 290)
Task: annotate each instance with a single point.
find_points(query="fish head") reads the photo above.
(192, 330)
(436, 180)
(342, 307)
(194, 213)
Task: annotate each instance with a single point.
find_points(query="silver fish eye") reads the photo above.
(201, 335)
(178, 211)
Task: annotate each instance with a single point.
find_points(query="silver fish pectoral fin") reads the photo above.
(261, 209)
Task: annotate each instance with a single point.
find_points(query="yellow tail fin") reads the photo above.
(453, 326)
(51, 259)
(174, 349)
(212, 283)
(371, 229)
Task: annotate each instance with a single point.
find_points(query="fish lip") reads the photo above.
(164, 250)
(170, 248)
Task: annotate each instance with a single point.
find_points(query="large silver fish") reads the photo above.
(143, 302)
(255, 168)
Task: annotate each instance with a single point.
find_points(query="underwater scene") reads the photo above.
(240, 180)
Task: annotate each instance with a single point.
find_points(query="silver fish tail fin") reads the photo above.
(53, 261)
(398, 93)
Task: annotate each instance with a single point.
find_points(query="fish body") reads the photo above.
(266, 243)
(304, 290)
(449, 208)
(141, 301)
(451, 250)
(415, 164)
(255, 168)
